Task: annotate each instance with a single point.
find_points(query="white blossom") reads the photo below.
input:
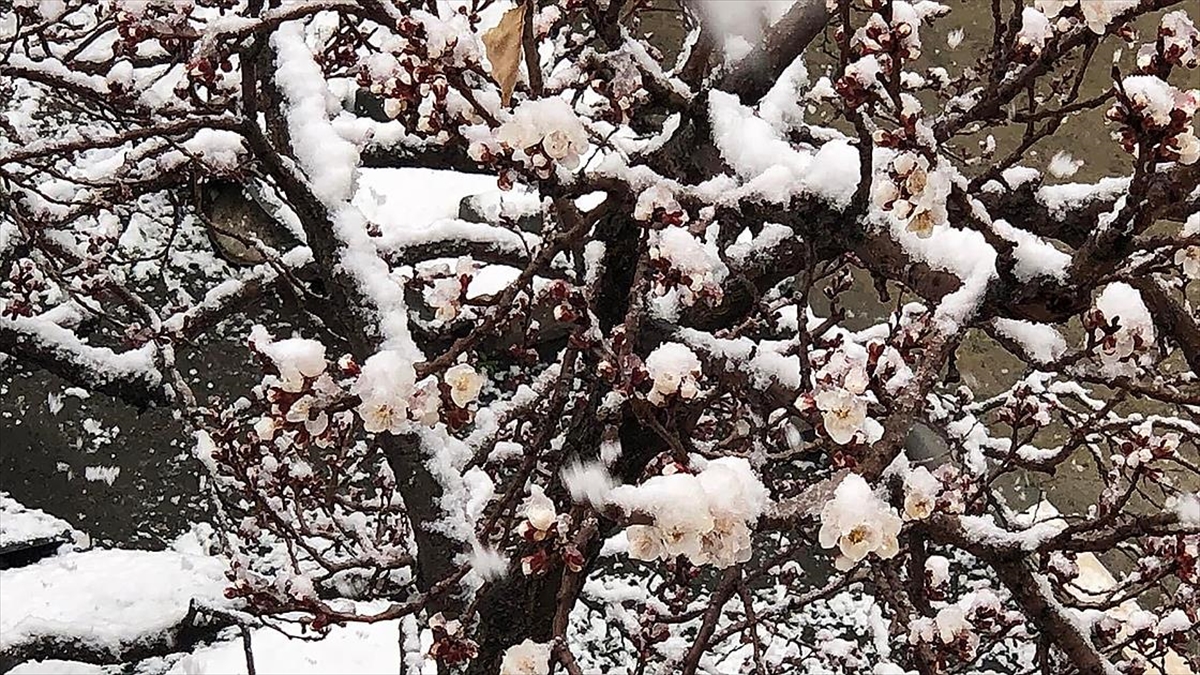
(464, 382)
(645, 542)
(920, 493)
(539, 509)
(859, 523)
(705, 517)
(844, 414)
(527, 658)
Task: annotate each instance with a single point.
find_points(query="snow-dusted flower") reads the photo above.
(1097, 14)
(295, 358)
(1135, 334)
(844, 414)
(951, 622)
(701, 269)
(1187, 146)
(1035, 30)
(383, 387)
(674, 369)
(527, 658)
(655, 197)
(920, 493)
(705, 517)
(464, 382)
(444, 297)
(1157, 99)
(425, 402)
(549, 123)
(539, 510)
(1180, 38)
(858, 522)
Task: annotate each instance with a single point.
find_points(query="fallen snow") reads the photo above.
(106, 598)
(19, 524)
(350, 650)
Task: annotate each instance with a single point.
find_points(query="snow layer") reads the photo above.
(106, 599)
(19, 524)
(350, 650)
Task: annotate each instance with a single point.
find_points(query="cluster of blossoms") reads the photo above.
(859, 523)
(882, 46)
(299, 393)
(545, 527)
(956, 627)
(682, 263)
(539, 134)
(1178, 45)
(410, 73)
(450, 642)
(914, 193)
(901, 37)
(1025, 407)
(705, 517)
(1145, 446)
(1124, 328)
(842, 402)
(674, 371)
(658, 204)
(26, 290)
(1097, 14)
(1152, 107)
(445, 288)
(389, 397)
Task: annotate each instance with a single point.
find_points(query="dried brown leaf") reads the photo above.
(503, 45)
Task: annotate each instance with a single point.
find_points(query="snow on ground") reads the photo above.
(20, 525)
(56, 667)
(356, 649)
(107, 598)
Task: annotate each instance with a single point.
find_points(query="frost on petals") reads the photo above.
(706, 517)
(859, 523)
(527, 658)
(674, 370)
